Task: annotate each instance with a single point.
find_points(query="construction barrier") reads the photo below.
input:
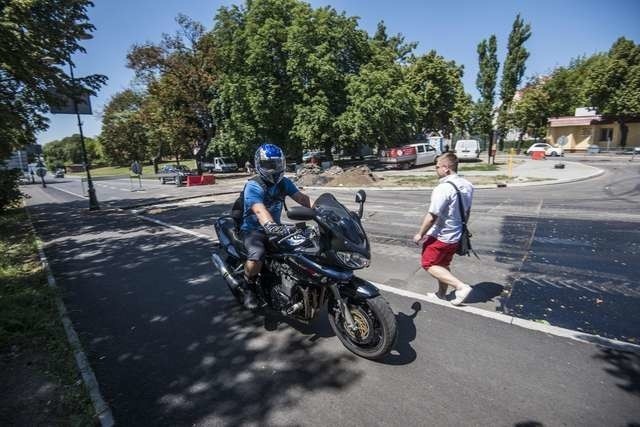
(205, 179)
(537, 155)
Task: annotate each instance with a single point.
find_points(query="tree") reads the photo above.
(531, 111)
(181, 79)
(32, 31)
(68, 150)
(486, 84)
(613, 87)
(442, 104)
(123, 136)
(513, 70)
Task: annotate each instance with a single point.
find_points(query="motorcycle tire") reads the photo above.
(377, 328)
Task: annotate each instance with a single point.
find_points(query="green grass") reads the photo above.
(29, 320)
(412, 180)
(126, 170)
(478, 167)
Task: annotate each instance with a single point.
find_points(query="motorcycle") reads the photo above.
(312, 267)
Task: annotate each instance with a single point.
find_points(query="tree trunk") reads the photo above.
(624, 130)
(177, 159)
(490, 147)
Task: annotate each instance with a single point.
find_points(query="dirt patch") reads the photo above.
(335, 176)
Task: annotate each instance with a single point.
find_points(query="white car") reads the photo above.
(549, 150)
(467, 149)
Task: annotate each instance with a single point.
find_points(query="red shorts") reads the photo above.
(435, 252)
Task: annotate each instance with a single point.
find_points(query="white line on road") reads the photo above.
(175, 227)
(69, 192)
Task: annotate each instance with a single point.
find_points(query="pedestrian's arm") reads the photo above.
(427, 222)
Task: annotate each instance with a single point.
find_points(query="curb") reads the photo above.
(101, 408)
(597, 173)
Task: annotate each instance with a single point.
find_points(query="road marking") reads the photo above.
(102, 409)
(69, 192)
(516, 321)
(175, 227)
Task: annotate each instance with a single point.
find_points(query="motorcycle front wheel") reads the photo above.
(376, 327)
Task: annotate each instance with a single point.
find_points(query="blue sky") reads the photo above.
(561, 30)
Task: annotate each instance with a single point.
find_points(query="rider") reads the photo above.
(262, 209)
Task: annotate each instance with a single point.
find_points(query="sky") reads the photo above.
(561, 30)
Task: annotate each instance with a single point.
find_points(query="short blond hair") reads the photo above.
(451, 160)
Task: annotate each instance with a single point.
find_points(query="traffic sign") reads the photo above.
(136, 168)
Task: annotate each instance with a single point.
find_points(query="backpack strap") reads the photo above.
(462, 215)
(281, 190)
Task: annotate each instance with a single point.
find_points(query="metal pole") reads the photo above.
(93, 200)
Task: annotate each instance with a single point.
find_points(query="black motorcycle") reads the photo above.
(312, 266)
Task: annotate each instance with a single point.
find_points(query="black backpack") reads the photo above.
(237, 210)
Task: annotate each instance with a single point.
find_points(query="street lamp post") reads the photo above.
(93, 200)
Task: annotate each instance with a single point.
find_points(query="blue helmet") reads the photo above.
(270, 163)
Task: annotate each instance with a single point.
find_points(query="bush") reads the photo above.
(10, 194)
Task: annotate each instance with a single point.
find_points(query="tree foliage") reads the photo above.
(442, 103)
(68, 151)
(124, 138)
(486, 84)
(513, 69)
(181, 84)
(30, 32)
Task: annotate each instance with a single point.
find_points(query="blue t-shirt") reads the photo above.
(254, 193)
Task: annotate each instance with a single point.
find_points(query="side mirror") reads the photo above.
(300, 213)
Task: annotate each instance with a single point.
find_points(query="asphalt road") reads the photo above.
(169, 346)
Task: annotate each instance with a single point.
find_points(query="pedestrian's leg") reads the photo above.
(445, 278)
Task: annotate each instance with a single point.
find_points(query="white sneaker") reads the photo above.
(437, 295)
(461, 295)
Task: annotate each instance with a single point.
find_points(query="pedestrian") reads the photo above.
(248, 167)
(443, 226)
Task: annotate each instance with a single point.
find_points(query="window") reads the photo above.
(606, 134)
(420, 148)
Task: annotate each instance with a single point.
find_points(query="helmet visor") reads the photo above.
(272, 165)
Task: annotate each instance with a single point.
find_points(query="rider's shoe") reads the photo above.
(250, 300)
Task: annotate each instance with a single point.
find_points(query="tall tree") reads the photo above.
(123, 136)
(442, 104)
(30, 32)
(486, 84)
(614, 86)
(180, 73)
(513, 70)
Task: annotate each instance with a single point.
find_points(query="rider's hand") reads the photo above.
(274, 229)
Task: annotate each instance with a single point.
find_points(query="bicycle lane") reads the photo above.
(169, 347)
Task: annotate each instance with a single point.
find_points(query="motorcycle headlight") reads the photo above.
(353, 259)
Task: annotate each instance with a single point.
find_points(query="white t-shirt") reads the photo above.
(444, 204)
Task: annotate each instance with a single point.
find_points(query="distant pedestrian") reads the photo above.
(33, 176)
(443, 226)
(248, 167)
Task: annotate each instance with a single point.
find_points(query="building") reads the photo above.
(585, 128)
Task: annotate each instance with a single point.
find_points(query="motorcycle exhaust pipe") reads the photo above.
(224, 271)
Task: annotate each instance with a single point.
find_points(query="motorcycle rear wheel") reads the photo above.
(377, 329)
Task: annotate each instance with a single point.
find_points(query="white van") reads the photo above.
(468, 149)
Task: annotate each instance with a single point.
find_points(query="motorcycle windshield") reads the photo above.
(338, 219)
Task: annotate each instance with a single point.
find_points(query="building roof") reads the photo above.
(557, 122)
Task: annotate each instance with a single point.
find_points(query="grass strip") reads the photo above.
(40, 377)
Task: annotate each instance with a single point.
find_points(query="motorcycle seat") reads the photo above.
(229, 229)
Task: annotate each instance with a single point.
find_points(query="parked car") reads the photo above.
(408, 156)
(593, 149)
(59, 173)
(548, 149)
(172, 172)
(314, 154)
(467, 149)
(221, 164)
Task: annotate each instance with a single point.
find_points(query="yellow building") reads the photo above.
(582, 131)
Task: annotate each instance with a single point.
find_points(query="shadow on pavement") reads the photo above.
(484, 292)
(167, 342)
(625, 366)
(403, 353)
(577, 274)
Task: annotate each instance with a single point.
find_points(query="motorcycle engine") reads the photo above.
(282, 291)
